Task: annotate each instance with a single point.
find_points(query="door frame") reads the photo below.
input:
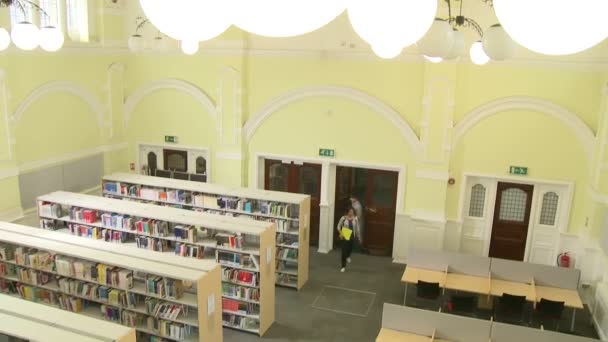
(564, 210)
(328, 186)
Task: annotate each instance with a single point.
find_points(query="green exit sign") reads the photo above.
(326, 152)
(171, 139)
(518, 170)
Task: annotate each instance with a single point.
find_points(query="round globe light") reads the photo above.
(280, 18)
(25, 35)
(438, 41)
(433, 59)
(193, 20)
(387, 51)
(136, 43)
(554, 27)
(5, 39)
(497, 44)
(51, 38)
(478, 56)
(189, 47)
(458, 47)
(391, 23)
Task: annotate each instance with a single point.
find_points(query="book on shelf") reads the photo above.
(187, 233)
(241, 292)
(51, 210)
(240, 307)
(287, 253)
(235, 259)
(240, 322)
(287, 279)
(240, 277)
(192, 251)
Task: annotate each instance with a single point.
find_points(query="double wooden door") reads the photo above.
(377, 191)
(297, 178)
(511, 220)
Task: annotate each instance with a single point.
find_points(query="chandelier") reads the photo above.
(26, 35)
(445, 40)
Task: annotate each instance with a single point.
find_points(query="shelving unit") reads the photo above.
(38, 322)
(166, 301)
(248, 243)
(292, 233)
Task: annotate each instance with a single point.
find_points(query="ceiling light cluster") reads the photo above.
(137, 43)
(26, 35)
(551, 27)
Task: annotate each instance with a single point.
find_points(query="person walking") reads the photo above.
(348, 231)
(359, 211)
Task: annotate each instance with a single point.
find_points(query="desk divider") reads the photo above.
(445, 279)
(552, 276)
(431, 323)
(430, 260)
(502, 332)
(433, 336)
(510, 270)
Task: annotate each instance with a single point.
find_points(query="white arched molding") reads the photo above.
(168, 83)
(499, 106)
(62, 86)
(359, 96)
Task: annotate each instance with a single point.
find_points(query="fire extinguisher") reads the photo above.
(563, 260)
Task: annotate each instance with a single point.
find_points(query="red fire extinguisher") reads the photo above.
(563, 260)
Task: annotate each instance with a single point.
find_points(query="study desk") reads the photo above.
(451, 281)
(389, 335)
(499, 287)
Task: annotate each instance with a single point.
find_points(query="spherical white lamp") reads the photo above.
(391, 23)
(193, 20)
(478, 56)
(25, 35)
(433, 59)
(554, 27)
(136, 43)
(281, 18)
(387, 51)
(497, 44)
(189, 47)
(458, 47)
(438, 41)
(5, 39)
(51, 38)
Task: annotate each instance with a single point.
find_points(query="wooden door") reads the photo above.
(344, 189)
(511, 219)
(304, 179)
(381, 204)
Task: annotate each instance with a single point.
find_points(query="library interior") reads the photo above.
(319, 170)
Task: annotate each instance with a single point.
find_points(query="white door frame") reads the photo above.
(328, 176)
(564, 208)
(205, 151)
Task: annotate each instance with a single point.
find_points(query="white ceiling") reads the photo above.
(339, 37)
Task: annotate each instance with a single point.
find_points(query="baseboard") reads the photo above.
(11, 215)
(399, 261)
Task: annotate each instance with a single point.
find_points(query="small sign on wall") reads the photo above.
(518, 170)
(326, 152)
(171, 139)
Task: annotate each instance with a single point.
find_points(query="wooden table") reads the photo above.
(467, 283)
(498, 287)
(389, 335)
(571, 298)
(414, 274)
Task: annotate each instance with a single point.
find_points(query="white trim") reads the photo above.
(229, 155)
(501, 105)
(138, 95)
(4, 98)
(597, 197)
(43, 163)
(206, 151)
(62, 86)
(432, 174)
(428, 216)
(257, 119)
(11, 215)
(9, 172)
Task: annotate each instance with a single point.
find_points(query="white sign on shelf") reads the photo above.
(268, 255)
(210, 304)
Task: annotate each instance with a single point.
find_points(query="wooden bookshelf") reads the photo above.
(38, 322)
(211, 236)
(71, 277)
(203, 196)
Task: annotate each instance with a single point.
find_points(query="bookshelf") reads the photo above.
(292, 232)
(243, 248)
(162, 302)
(38, 322)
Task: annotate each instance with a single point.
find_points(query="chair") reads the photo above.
(549, 311)
(462, 305)
(510, 309)
(427, 294)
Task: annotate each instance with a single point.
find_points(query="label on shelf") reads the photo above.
(268, 255)
(210, 304)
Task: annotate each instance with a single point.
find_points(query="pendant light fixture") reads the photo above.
(26, 35)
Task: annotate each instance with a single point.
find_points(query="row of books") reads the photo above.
(165, 310)
(286, 279)
(242, 292)
(50, 210)
(240, 307)
(32, 276)
(240, 322)
(28, 292)
(107, 235)
(240, 277)
(287, 253)
(30, 257)
(230, 240)
(83, 215)
(235, 259)
(164, 287)
(118, 221)
(287, 239)
(49, 224)
(191, 251)
(153, 244)
(105, 274)
(169, 329)
(96, 292)
(287, 266)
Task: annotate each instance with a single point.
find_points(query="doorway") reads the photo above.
(377, 192)
(511, 220)
(302, 178)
